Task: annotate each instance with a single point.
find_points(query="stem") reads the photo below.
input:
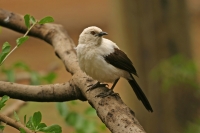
(17, 45)
(30, 29)
(8, 55)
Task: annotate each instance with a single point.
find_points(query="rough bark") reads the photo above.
(42, 93)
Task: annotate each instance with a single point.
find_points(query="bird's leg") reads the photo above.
(110, 92)
(98, 84)
(113, 86)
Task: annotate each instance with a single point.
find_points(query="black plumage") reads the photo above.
(120, 60)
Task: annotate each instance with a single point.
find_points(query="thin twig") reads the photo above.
(13, 107)
(14, 123)
(17, 45)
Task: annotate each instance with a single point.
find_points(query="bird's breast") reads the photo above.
(96, 67)
(92, 62)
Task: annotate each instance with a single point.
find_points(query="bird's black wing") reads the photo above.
(120, 60)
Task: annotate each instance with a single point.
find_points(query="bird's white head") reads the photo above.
(91, 36)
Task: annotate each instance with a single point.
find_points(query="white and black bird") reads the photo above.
(102, 60)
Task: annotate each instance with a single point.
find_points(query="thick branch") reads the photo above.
(111, 110)
(43, 93)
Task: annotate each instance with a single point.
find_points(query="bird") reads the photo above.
(102, 59)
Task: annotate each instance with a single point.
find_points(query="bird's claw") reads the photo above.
(108, 93)
(98, 84)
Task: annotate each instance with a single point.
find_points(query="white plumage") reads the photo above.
(102, 60)
(90, 52)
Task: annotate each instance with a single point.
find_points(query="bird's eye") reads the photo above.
(93, 33)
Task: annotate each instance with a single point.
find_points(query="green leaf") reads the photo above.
(5, 51)
(27, 20)
(22, 130)
(62, 108)
(36, 119)
(90, 111)
(29, 124)
(79, 124)
(40, 126)
(10, 74)
(52, 129)
(21, 40)
(25, 119)
(89, 126)
(35, 78)
(16, 116)
(193, 127)
(50, 77)
(6, 47)
(3, 100)
(32, 19)
(71, 118)
(103, 127)
(2, 127)
(182, 72)
(47, 19)
(22, 66)
(74, 102)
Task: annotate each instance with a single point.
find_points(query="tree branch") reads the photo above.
(42, 93)
(111, 110)
(14, 123)
(13, 107)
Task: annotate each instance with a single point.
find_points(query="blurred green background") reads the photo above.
(160, 36)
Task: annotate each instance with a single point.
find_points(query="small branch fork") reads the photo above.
(111, 110)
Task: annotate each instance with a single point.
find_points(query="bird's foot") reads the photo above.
(98, 84)
(108, 93)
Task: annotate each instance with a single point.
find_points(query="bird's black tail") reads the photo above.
(140, 94)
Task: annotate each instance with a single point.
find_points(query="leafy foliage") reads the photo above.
(22, 130)
(34, 123)
(173, 72)
(30, 22)
(3, 101)
(47, 19)
(16, 116)
(193, 127)
(63, 109)
(5, 51)
(21, 40)
(176, 70)
(37, 117)
(52, 129)
(49, 78)
(2, 127)
(9, 73)
(82, 123)
(35, 77)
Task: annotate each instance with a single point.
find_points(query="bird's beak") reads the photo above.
(100, 34)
